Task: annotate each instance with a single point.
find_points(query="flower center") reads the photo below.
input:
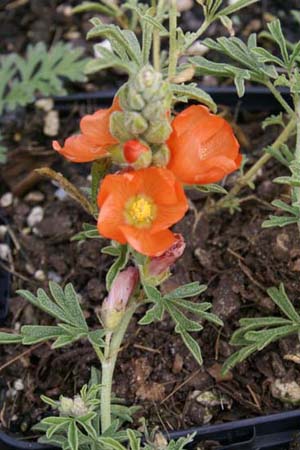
(140, 211)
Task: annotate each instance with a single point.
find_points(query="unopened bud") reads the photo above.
(114, 305)
(148, 81)
(158, 132)
(137, 154)
(118, 128)
(158, 268)
(161, 156)
(72, 407)
(135, 123)
(117, 155)
(130, 99)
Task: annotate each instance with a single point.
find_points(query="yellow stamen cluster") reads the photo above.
(140, 211)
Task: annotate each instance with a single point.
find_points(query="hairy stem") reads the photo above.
(198, 33)
(297, 151)
(112, 348)
(251, 173)
(173, 53)
(279, 98)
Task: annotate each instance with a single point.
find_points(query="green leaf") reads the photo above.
(88, 232)
(182, 322)
(273, 120)
(285, 207)
(9, 338)
(92, 6)
(117, 266)
(32, 334)
(236, 6)
(54, 404)
(152, 293)
(110, 443)
(266, 57)
(279, 221)
(191, 91)
(277, 34)
(99, 169)
(210, 188)
(281, 299)
(73, 435)
(134, 442)
(191, 344)
(265, 337)
(73, 308)
(238, 357)
(154, 313)
(187, 290)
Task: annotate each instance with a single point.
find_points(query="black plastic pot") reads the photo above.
(255, 98)
(273, 432)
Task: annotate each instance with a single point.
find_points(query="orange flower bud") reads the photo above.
(203, 147)
(122, 288)
(133, 150)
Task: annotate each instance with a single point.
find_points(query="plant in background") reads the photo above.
(255, 63)
(154, 156)
(40, 72)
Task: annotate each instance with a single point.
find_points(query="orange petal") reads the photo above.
(123, 186)
(96, 128)
(148, 244)
(79, 149)
(111, 218)
(159, 184)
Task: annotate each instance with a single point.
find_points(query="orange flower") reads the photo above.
(94, 139)
(203, 147)
(138, 207)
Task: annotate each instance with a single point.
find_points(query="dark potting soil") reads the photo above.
(232, 254)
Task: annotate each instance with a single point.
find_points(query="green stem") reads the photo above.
(156, 50)
(112, 348)
(279, 98)
(198, 33)
(173, 53)
(251, 173)
(297, 150)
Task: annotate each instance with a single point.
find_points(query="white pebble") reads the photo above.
(3, 231)
(184, 5)
(34, 197)
(36, 216)
(61, 194)
(104, 44)
(5, 252)
(53, 276)
(51, 123)
(40, 275)
(6, 200)
(19, 385)
(46, 104)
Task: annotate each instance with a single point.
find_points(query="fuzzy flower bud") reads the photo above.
(158, 268)
(137, 154)
(114, 305)
(75, 407)
(135, 123)
(161, 156)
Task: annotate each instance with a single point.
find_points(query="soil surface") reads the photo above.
(232, 254)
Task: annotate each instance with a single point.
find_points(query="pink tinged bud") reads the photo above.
(159, 265)
(133, 150)
(122, 288)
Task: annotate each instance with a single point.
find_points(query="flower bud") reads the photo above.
(130, 99)
(158, 132)
(118, 128)
(114, 305)
(137, 154)
(148, 81)
(117, 155)
(157, 269)
(161, 156)
(135, 123)
(75, 407)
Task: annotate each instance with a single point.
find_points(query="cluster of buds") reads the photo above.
(143, 125)
(74, 407)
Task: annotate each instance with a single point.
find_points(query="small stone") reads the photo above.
(53, 276)
(46, 104)
(286, 392)
(6, 200)
(3, 231)
(51, 123)
(29, 268)
(34, 197)
(5, 252)
(19, 385)
(197, 49)
(282, 246)
(177, 363)
(184, 5)
(40, 275)
(215, 371)
(36, 216)
(296, 266)
(60, 194)
(64, 9)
